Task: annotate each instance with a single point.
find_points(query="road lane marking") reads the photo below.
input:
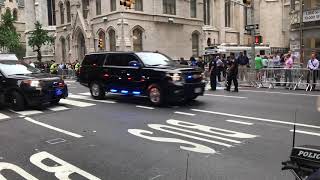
(90, 99)
(256, 118)
(145, 107)
(269, 92)
(27, 113)
(58, 108)
(306, 132)
(3, 116)
(56, 141)
(86, 94)
(240, 122)
(184, 113)
(53, 128)
(236, 97)
(75, 103)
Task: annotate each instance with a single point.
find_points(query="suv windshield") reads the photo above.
(17, 68)
(154, 59)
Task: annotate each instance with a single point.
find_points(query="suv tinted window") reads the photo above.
(97, 59)
(120, 59)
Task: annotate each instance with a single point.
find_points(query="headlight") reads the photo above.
(175, 76)
(32, 83)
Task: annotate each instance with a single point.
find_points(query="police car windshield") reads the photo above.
(154, 59)
(16, 68)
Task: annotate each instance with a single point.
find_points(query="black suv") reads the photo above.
(22, 85)
(140, 74)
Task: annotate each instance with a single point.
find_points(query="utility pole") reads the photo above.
(301, 32)
(253, 33)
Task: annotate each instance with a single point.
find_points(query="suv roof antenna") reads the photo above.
(294, 129)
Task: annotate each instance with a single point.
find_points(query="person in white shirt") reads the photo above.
(313, 65)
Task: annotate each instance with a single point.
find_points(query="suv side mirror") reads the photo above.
(134, 64)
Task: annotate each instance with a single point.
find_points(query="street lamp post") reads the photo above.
(253, 33)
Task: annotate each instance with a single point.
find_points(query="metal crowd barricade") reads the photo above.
(290, 78)
(67, 73)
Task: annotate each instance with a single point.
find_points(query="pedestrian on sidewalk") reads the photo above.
(200, 63)
(213, 73)
(243, 61)
(220, 67)
(288, 69)
(183, 61)
(313, 65)
(232, 74)
(258, 67)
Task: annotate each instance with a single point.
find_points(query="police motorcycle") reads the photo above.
(304, 161)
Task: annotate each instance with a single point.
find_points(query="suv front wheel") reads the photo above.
(97, 91)
(155, 95)
(17, 101)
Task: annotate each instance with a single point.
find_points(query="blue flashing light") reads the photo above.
(136, 92)
(113, 90)
(124, 91)
(190, 77)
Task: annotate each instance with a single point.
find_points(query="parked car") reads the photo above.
(22, 85)
(148, 74)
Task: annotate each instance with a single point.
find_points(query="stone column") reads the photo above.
(30, 16)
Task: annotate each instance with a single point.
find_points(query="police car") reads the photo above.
(22, 85)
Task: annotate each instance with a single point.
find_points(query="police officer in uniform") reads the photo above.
(232, 74)
(213, 73)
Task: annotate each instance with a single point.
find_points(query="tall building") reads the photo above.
(17, 9)
(305, 27)
(224, 22)
(169, 26)
(44, 12)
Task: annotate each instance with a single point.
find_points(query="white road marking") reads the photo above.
(306, 132)
(236, 97)
(256, 118)
(27, 113)
(184, 113)
(156, 177)
(271, 92)
(56, 141)
(75, 103)
(58, 108)
(86, 94)
(3, 116)
(53, 128)
(240, 122)
(90, 99)
(145, 107)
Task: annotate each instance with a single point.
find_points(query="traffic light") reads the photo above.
(258, 39)
(126, 3)
(247, 2)
(100, 44)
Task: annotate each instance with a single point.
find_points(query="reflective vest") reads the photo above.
(77, 66)
(53, 68)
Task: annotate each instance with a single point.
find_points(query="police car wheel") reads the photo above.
(17, 101)
(97, 91)
(155, 95)
(188, 99)
(55, 101)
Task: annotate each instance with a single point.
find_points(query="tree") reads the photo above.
(9, 38)
(38, 38)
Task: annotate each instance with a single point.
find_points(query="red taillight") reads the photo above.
(106, 75)
(61, 84)
(129, 78)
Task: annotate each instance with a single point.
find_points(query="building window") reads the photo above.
(15, 14)
(113, 5)
(227, 14)
(206, 12)
(138, 5)
(292, 4)
(169, 7)
(68, 11)
(245, 15)
(85, 8)
(102, 37)
(112, 40)
(98, 7)
(63, 49)
(137, 40)
(195, 44)
(61, 13)
(51, 12)
(68, 44)
(193, 8)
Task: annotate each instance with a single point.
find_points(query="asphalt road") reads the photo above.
(220, 136)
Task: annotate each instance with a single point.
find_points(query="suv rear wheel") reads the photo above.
(155, 95)
(17, 101)
(97, 91)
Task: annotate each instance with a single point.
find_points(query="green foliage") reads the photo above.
(9, 37)
(38, 38)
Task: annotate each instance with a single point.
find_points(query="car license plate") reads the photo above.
(197, 90)
(59, 92)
